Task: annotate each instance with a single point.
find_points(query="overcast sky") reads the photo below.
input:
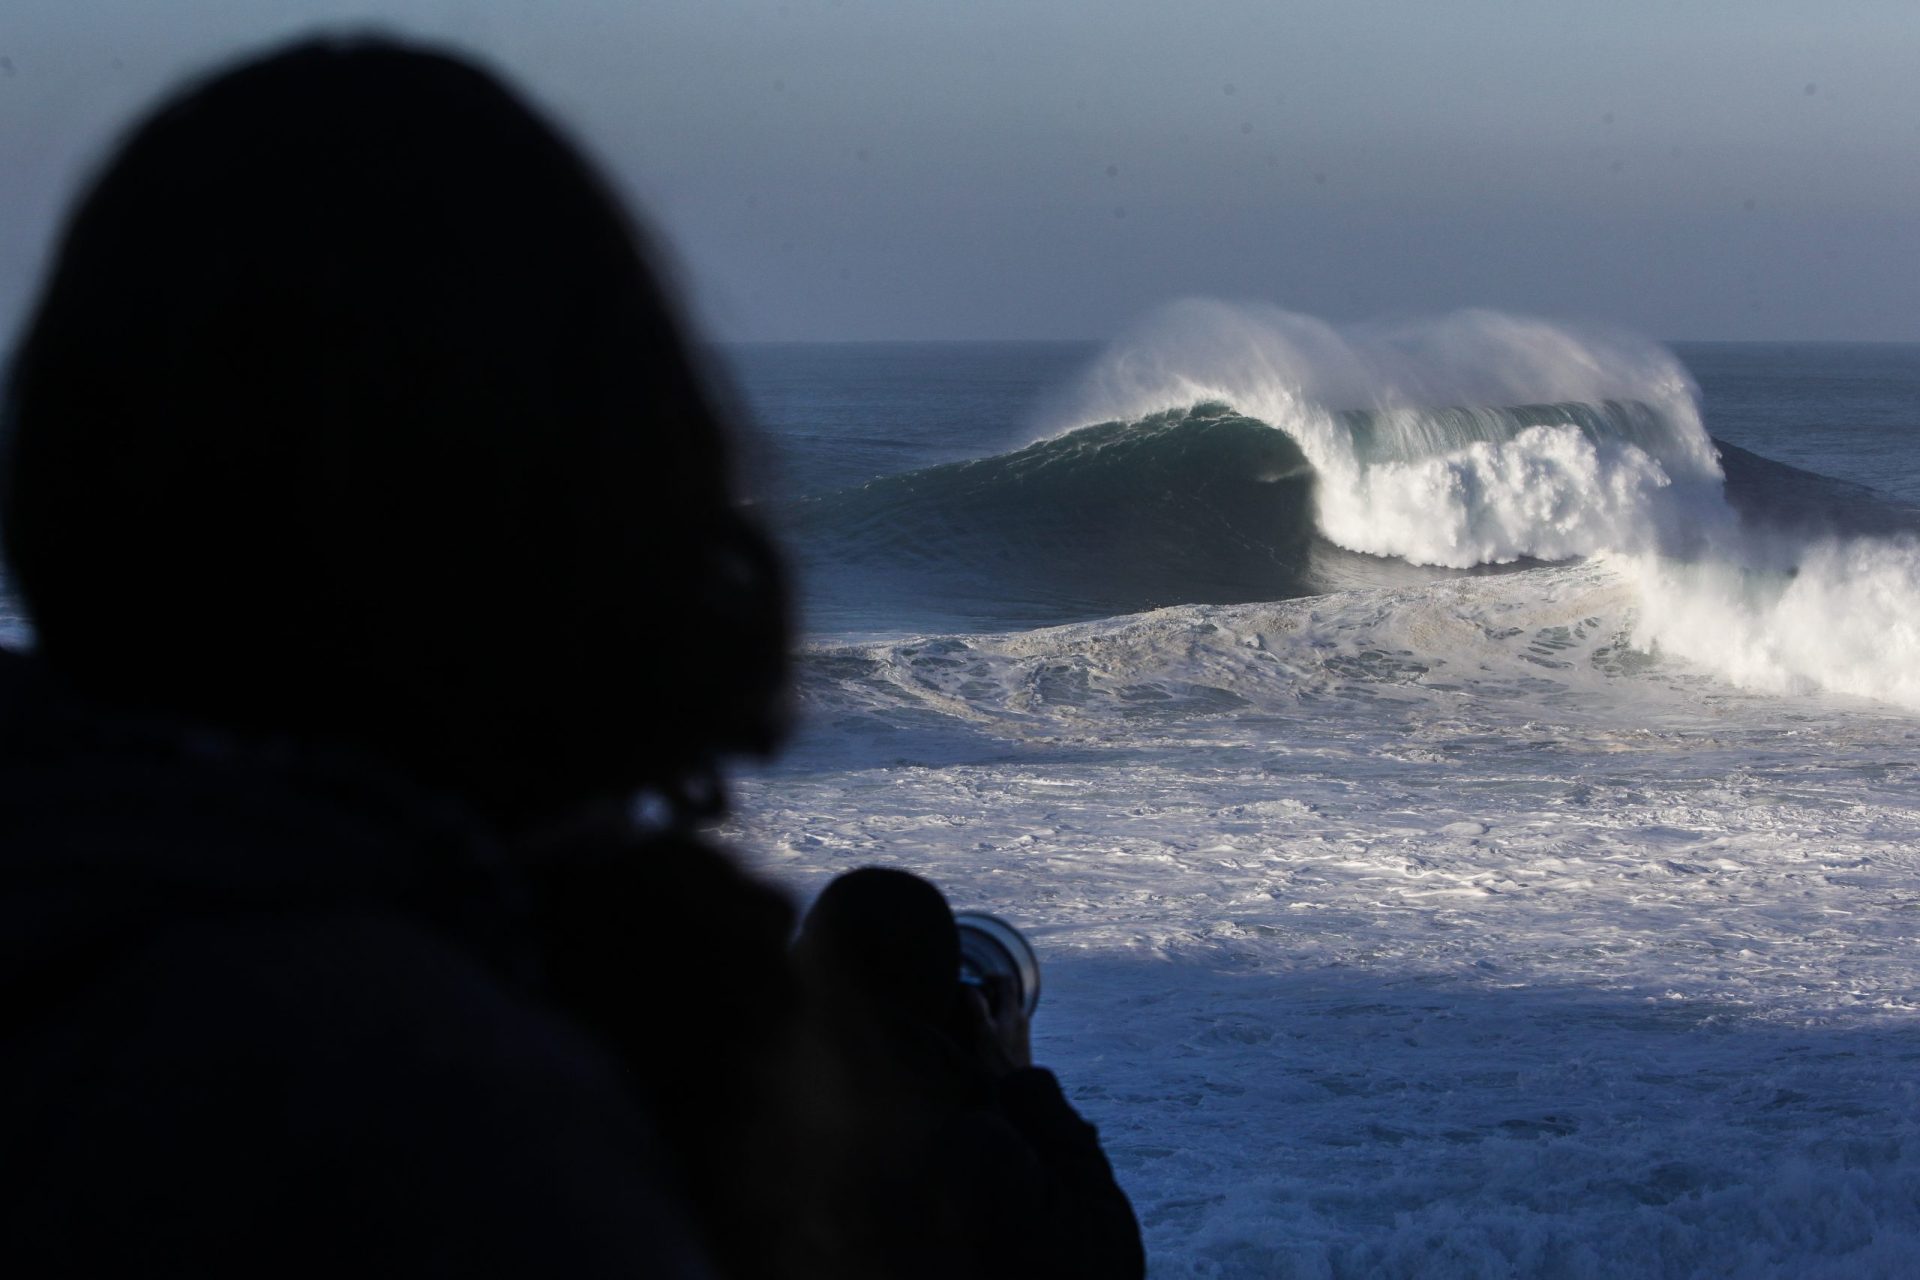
(977, 168)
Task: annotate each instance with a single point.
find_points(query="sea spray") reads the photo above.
(1265, 357)
(1473, 438)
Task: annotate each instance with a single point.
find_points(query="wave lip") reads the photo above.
(1195, 504)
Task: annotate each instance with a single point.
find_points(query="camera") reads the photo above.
(996, 957)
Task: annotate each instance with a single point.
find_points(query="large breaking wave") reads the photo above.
(1228, 454)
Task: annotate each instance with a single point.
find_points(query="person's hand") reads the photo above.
(1003, 1040)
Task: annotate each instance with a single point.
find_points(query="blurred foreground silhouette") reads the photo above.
(379, 537)
(379, 534)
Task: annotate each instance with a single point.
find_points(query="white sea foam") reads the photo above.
(1843, 615)
(1549, 493)
(1423, 931)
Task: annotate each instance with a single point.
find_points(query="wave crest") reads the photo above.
(1470, 439)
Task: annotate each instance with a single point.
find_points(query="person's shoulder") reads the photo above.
(370, 1006)
(355, 1081)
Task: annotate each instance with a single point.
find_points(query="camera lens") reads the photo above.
(992, 950)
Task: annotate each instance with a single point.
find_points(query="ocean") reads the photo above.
(1460, 775)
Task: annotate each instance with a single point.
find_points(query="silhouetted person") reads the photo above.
(963, 1159)
(379, 539)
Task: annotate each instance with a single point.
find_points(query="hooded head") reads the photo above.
(352, 409)
(885, 940)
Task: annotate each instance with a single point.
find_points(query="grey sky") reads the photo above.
(902, 169)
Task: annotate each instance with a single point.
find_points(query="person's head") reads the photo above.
(352, 409)
(886, 940)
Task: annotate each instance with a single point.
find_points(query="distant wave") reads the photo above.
(1223, 455)
(1205, 504)
(1193, 504)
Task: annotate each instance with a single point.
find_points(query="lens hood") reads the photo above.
(993, 948)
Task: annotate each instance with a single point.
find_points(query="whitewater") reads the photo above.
(1493, 856)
